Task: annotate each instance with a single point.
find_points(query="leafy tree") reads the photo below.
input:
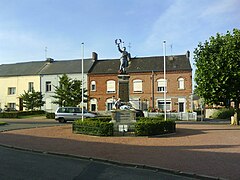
(32, 100)
(217, 75)
(69, 92)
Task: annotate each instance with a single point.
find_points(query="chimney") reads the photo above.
(49, 60)
(94, 56)
(188, 54)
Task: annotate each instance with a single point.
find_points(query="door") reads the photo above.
(180, 107)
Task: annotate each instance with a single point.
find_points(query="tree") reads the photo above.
(32, 100)
(69, 92)
(217, 74)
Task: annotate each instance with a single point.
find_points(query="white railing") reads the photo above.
(170, 115)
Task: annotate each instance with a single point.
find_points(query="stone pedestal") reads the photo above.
(123, 87)
(123, 120)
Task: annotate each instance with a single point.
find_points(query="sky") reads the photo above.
(27, 27)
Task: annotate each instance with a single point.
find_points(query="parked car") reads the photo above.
(64, 114)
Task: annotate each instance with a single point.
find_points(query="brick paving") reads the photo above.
(207, 149)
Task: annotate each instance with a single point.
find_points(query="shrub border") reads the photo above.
(143, 127)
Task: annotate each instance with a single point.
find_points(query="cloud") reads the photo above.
(185, 23)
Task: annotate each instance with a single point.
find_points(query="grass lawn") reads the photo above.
(2, 123)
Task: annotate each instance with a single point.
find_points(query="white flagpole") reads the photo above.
(82, 77)
(165, 84)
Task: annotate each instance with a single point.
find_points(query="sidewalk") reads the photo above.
(206, 149)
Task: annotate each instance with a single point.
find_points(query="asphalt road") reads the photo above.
(21, 164)
(27, 165)
(13, 124)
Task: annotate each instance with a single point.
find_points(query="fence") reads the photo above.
(170, 115)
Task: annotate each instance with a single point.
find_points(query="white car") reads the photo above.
(64, 114)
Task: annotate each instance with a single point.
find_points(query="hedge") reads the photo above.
(93, 127)
(17, 114)
(143, 127)
(50, 115)
(223, 114)
(154, 126)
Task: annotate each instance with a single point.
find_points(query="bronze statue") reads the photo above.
(124, 59)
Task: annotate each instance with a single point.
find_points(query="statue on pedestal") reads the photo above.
(124, 59)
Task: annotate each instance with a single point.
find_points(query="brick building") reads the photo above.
(146, 83)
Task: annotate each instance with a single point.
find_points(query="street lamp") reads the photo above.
(82, 77)
(164, 77)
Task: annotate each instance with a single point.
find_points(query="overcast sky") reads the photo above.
(28, 26)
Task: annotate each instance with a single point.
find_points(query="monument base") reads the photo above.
(123, 87)
(123, 120)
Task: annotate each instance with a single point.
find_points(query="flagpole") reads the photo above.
(82, 77)
(165, 84)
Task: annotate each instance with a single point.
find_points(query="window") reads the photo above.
(48, 86)
(11, 90)
(93, 105)
(161, 105)
(109, 104)
(12, 105)
(30, 87)
(111, 86)
(137, 85)
(161, 85)
(181, 83)
(93, 85)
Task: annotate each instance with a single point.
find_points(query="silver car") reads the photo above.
(64, 114)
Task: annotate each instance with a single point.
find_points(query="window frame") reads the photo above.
(111, 86)
(48, 86)
(181, 83)
(11, 90)
(93, 86)
(161, 85)
(30, 86)
(137, 86)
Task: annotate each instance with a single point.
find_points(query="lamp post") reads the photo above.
(164, 77)
(82, 77)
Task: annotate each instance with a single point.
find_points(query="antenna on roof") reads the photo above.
(46, 49)
(171, 46)
(129, 47)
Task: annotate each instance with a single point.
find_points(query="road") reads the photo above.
(14, 124)
(22, 164)
(27, 165)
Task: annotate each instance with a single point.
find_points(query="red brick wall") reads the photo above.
(172, 88)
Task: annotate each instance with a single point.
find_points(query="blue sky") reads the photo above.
(28, 26)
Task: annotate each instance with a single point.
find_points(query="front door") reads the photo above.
(180, 107)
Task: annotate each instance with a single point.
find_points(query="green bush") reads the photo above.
(18, 114)
(154, 126)
(93, 127)
(50, 115)
(9, 115)
(223, 114)
(102, 119)
(28, 113)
